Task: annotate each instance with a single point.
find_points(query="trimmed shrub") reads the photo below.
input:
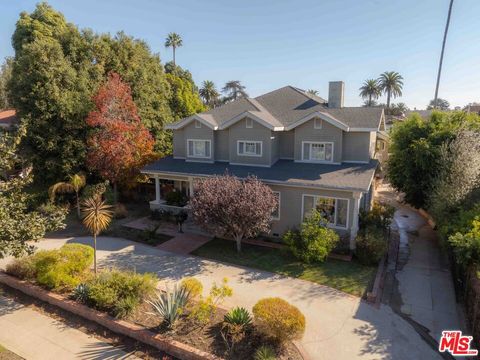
(265, 352)
(380, 216)
(62, 269)
(193, 286)
(176, 198)
(371, 246)
(119, 292)
(22, 268)
(279, 320)
(314, 241)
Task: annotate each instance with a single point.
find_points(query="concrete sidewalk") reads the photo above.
(35, 336)
(339, 326)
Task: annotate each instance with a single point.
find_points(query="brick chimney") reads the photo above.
(336, 91)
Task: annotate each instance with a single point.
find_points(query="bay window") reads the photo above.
(334, 210)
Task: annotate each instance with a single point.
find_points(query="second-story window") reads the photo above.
(199, 148)
(317, 151)
(249, 148)
(198, 124)
(249, 123)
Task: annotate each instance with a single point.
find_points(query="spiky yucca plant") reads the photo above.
(169, 305)
(238, 316)
(96, 218)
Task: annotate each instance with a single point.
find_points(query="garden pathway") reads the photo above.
(339, 326)
(424, 288)
(33, 335)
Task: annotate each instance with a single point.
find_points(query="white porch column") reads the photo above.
(157, 189)
(354, 228)
(190, 186)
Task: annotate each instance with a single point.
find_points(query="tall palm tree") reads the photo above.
(371, 91)
(233, 90)
(391, 83)
(435, 99)
(312, 92)
(75, 184)
(96, 218)
(209, 93)
(174, 41)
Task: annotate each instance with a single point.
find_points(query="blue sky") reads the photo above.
(271, 43)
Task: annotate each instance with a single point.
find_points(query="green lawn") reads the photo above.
(350, 277)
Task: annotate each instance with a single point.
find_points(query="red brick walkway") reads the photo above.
(184, 243)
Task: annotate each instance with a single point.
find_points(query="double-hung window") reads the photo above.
(334, 210)
(317, 151)
(249, 148)
(199, 148)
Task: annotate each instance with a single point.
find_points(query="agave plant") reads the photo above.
(81, 293)
(169, 305)
(238, 316)
(265, 353)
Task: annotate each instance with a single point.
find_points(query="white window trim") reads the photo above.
(198, 124)
(196, 156)
(279, 203)
(329, 197)
(310, 152)
(249, 141)
(315, 123)
(249, 123)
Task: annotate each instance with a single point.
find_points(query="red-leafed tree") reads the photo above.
(228, 206)
(118, 144)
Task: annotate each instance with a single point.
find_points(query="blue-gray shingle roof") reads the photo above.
(355, 177)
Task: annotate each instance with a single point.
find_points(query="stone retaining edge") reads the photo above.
(137, 332)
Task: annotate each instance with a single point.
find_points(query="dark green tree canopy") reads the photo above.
(415, 151)
(56, 70)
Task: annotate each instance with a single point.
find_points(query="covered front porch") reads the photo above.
(171, 192)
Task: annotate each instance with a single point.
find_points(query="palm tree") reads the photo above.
(208, 93)
(371, 91)
(312, 92)
(174, 41)
(234, 90)
(435, 99)
(75, 184)
(96, 218)
(391, 83)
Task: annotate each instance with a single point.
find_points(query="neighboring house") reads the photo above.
(311, 152)
(8, 119)
(473, 108)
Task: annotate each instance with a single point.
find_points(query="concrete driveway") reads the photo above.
(339, 326)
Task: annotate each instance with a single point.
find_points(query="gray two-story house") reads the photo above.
(313, 153)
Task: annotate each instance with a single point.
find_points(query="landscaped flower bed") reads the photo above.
(178, 315)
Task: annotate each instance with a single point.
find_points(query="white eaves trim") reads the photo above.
(318, 114)
(188, 120)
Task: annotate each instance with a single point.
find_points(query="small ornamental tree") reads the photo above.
(228, 206)
(118, 145)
